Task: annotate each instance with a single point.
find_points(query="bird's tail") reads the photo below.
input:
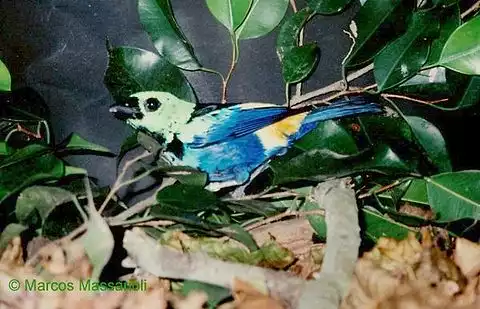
(353, 106)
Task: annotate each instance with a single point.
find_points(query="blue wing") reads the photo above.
(230, 122)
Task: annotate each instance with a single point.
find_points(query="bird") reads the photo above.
(228, 142)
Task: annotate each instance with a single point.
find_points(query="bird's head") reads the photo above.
(160, 113)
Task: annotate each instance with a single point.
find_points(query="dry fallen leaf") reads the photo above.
(467, 257)
(246, 296)
(409, 274)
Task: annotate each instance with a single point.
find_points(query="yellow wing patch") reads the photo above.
(277, 134)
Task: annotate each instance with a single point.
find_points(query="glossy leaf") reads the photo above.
(328, 6)
(299, 62)
(5, 78)
(158, 20)
(73, 170)
(187, 197)
(327, 135)
(449, 21)
(471, 94)
(432, 141)
(405, 56)
(290, 30)
(429, 83)
(132, 70)
(263, 16)
(27, 166)
(321, 164)
(4, 149)
(462, 49)
(455, 195)
(416, 192)
(41, 198)
(378, 225)
(9, 232)
(76, 142)
(230, 13)
(378, 22)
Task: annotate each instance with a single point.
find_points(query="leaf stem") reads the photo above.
(471, 9)
(233, 63)
(119, 184)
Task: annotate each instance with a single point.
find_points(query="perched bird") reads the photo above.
(228, 142)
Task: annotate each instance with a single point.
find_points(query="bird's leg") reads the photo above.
(239, 192)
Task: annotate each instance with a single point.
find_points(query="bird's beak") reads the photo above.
(124, 113)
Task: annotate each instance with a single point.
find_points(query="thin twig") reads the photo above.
(382, 189)
(336, 95)
(471, 9)
(263, 195)
(319, 212)
(118, 183)
(336, 86)
(397, 96)
(141, 205)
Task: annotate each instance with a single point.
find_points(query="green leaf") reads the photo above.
(77, 143)
(42, 198)
(215, 293)
(187, 197)
(471, 94)
(299, 62)
(461, 52)
(327, 135)
(378, 225)
(4, 149)
(455, 195)
(5, 79)
(230, 13)
(9, 232)
(416, 192)
(449, 21)
(159, 21)
(321, 164)
(432, 141)
(98, 242)
(263, 16)
(404, 57)
(378, 22)
(290, 30)
(73, 170)
(238, 233)
(27, 166)
(131, 70)
(328, 6)
(317, 222)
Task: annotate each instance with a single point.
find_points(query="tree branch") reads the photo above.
(336, 86)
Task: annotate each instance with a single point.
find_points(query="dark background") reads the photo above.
(58, 49)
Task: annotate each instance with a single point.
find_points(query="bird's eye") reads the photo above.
(152, 104)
